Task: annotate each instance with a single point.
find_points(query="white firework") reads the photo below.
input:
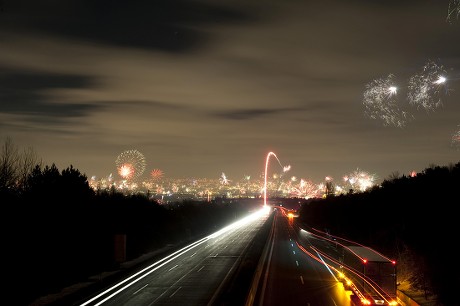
(306, 189)
(360, 180)
(381, 104)
(223, 179)
(453, 10)
(425, 87)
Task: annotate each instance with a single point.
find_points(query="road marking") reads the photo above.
(135, 292)
(175, 292)
(301, 280)
(293, 252)
(200, 269)
(297, 263)
(193, 254)
(173, 267)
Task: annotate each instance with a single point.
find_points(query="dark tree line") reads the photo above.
(411, 219)
(59, 231)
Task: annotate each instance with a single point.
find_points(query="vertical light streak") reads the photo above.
(265, 176)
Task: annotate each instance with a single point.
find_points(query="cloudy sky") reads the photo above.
(202, 88)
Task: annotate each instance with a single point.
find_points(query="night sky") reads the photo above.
(202, 88)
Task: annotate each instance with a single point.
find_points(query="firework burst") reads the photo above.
(456, 139)
(380, 102)
(305, 189)
(453, 10)
(360, 180)
(223, 179)
(130, 164)
(425, 87)
(156, 174)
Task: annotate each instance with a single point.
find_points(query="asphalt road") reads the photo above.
(191, 276)
(292, 277)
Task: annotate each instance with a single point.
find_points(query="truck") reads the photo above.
(370, 275)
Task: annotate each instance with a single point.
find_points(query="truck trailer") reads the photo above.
(370, 275)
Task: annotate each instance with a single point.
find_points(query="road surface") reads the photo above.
(191, 276)
(291, 276)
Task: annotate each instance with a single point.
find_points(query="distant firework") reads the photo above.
(306, 189)
(425, 87)
(453, 10)
(130, 164)
(456, 139)
(360, 180)
(223, 179)
(156, 174)
(381, 104)
(126, 171)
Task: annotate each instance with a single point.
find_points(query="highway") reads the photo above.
(191, 276)
(291, 276)
(294, 269)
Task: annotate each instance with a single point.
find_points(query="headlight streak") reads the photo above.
(241, 222)
(160, 263)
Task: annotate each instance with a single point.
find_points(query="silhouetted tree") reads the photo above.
(9, 162)
(329, 188)
(15, 166)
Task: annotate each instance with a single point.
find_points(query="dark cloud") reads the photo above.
(249, 114)
(24, 92)
(151, 105)
(168, 25)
